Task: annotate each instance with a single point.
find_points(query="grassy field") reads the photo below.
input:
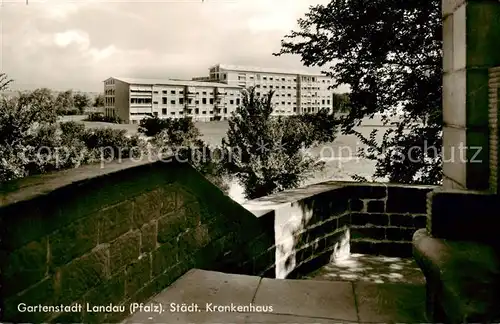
(340, 156)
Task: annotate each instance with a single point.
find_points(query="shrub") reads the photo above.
(152, 126)
(267, 153)
(99, 117)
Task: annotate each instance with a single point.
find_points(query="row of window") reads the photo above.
(264, 78)
(181, 92)
(204, 101)
(110, 101)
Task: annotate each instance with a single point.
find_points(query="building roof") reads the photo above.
(264, 70)
(174, 82)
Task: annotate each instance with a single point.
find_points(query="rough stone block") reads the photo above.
(400, 234)
(138, 275)
(477, 98)
(320, 230)
(147, 207)
(184, 197)
(194, 213)
(370, 191)
(344, 220)
(205, 258)
(260, 244)
(14, 231)
(460, 38)
(454, 96)
(41, 294)
(72, 317)
(449, 6)
(73, 241)
(376, 206)
(362, 247)
(29, 263)
(406, 200)
(356, 205)
(454, 166)
(463, 216)
(363, 219)
(483, 33)
(301, 239)
(167, 278)
(168, 198)
(164, 257)
(170, 226)
(264, 261)
(394, 249)
(115, 221)
(149, 234)
(110, 291)
(447, 49)
(124, 251)
(81, 275)
(420, 221)
(192, 240)
(333, 202)
(333, 239)
(477, 168)
(374, 233)
(402, 220)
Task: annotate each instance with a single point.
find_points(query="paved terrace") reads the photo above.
(292, 301)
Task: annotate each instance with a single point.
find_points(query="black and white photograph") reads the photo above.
(249, 161)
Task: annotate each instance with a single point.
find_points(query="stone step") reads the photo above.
(215, 297)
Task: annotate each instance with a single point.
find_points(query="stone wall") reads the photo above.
(316, 224)
(384, 218)
(118, 235)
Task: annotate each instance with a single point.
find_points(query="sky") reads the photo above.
(78, 44)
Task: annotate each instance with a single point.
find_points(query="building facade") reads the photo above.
(216, 96)
(295, 92)
(135, 99)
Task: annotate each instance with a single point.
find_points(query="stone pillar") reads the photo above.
(494, 85)
(471, 46)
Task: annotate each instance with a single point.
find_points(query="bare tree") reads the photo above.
(4, 81)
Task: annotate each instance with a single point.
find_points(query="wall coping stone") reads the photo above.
(31, 187)
(265, 205)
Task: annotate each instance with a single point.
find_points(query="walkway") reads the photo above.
(292, 301)
(371, 268)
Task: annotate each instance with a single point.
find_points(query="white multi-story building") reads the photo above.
(295, 92)
(216, 96)
(134, 99)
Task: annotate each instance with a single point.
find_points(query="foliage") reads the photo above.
(26, 125)
(70, 112)
(81, 101)
(179, 133)
(65, 102)
(266, 154)
(182, 138)
(4, 81)
(152, 126)
(341, 102)
(99, 117)
(99, 101)
(389, 53)
(32, 142)
(113, 144)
